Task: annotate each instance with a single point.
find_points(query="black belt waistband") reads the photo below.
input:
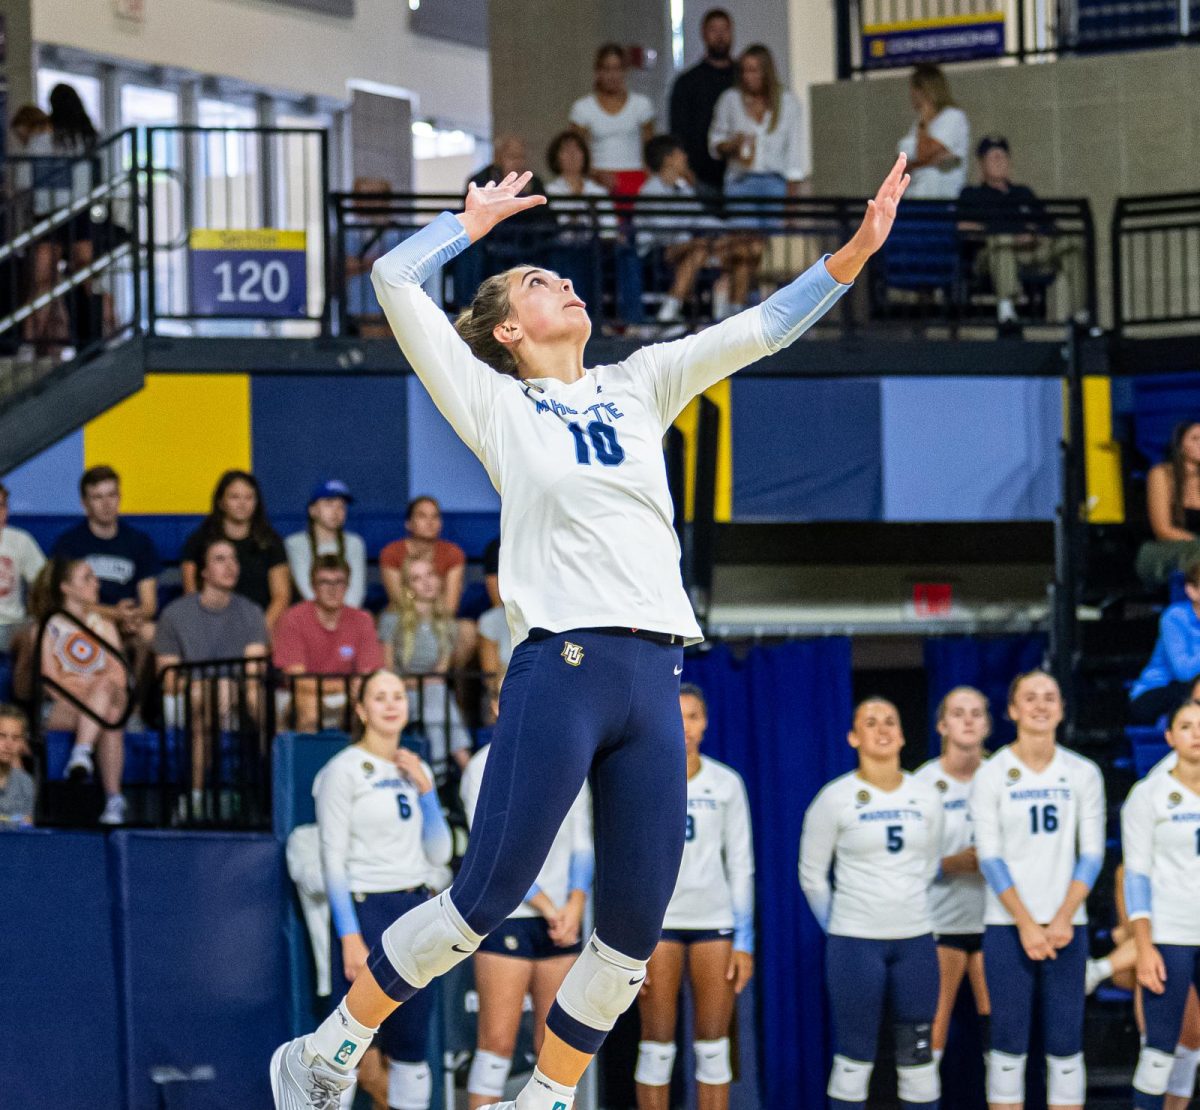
(670, 639)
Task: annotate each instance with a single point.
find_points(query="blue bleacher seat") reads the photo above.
(923, 252)
(1147, 755)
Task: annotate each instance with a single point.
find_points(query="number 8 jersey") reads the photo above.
(1037, 830)
(885, 848)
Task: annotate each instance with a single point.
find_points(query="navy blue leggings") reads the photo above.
(1011, 976)
(575, 706)
(1164, 1012)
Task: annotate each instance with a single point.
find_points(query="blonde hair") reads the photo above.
(477, 324)
(944, 705)
(930, 80)
(409, 620)
(772, 89)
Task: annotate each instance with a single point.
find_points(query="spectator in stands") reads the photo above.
(326, 535)
(939, 139)
(31, 131)
(1173, 506)
(21, 560)
(81, 662)
(615, 122)
(16, 784)
(122, 557)
(418, 635)
(423, 521)
(327, 637)
(509, 155)
(238, 515)
(694, 97)
(571, 163)
(1174, 665)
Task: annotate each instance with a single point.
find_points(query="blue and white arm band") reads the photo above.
(1087, 870)
(743, 930)
(420, 256)
(789, 312)
(436, 840)
(1137, 895)
(996, 872)
(580, 871)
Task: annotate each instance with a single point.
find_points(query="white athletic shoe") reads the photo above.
(1095, 973)
(79, 766)
(114, 811)
(300, 1080)
(499, 1106)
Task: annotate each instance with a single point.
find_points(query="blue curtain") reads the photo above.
(779, 716)
(987, 663)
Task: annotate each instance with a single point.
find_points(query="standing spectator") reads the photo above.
(694, 97)
(326, 535)
(16, 784)
(423, 521)
(1173, 506)
(325, 636)
(615, 122)
(1174, 665)
(938, 141)
(239, 516)
(122, 558)
(21, 560)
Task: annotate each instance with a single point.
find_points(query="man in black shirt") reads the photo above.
(694, 97)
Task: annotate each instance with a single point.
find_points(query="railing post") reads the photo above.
(1116, 271)
(326, 261)
(151, 261)
(843, 31)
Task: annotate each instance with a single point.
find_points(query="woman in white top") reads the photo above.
(615, 122)
(710, 922)
(571, 163)
(1160, 836)
(382, 833)
(326, 535)
(880, 830)
(957, 897)
(1038, 813)
(938, 142)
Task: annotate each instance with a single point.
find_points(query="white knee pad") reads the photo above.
(1005, 1077)
(410, 1086)
(849, 1080)
(919, 1083)
(712, 1062)
(655, 1062)
(601, 985)
(1066, 1080)
(1153, 1072)
(489, 1074)
(1183, 1072)
(429, 940)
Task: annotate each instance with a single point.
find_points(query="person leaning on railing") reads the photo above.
(1173, 506)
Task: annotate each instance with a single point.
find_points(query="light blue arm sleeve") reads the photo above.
(1087, 870)
(789, 312)
(580, 871)
(743, 930)
(995, 871)
(531, 893)
(420, 256)
(341, 906)
(435, 833)
(1137, 894)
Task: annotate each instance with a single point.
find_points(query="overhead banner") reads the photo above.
(256, 273)
(949, 38)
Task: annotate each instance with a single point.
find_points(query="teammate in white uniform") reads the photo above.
(532, 951)
(710, 919)
(1160, 834)
(1038, 812)
(589, 574)
(881, 831)
(382, 831)
(957, 896)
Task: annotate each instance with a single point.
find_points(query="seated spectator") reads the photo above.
(325, 637)
(1174, 664)
(571, 162)
(122, 558)
(938, 141)
(326, 535)
(239, 516)
(21, 560)
(16, 784)
(615, 122)
(418, 637)
(1173, 506)
(509, 155)
(1017, 233)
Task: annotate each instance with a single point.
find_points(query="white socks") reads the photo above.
(1095, 974)
(541, 1093)
(1006, 311)
(340, 1041)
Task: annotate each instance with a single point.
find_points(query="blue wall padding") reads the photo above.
(440, 464)
(49, 482)
(59, 1000)
(204, 967)
(296, 759)
(1157, 403)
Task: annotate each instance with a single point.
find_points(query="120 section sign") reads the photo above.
(248, 273)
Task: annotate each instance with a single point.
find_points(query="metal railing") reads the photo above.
(1155, 244)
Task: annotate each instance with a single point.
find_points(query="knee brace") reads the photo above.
(1153, 1072)
(599, 988)
(849, 1080)
(1005, 1077)
(410, 1086)
(916, 1072)
(1066, 1080)
(712, 1062)
(656, 1060)
(488, 1074)
(1183, 1072)
(418, 947)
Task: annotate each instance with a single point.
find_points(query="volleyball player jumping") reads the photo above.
(589, 574)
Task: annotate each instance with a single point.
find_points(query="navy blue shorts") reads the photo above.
(960, 942)
(526, 938)
(1164, 1012)
(695, 936)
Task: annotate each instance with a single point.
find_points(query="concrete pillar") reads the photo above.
(381, 138)
(18, 68)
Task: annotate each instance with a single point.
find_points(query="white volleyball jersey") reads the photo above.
(1039, 826)
(884, 847)
(376, 832)
(1167, 763)
(1160, 836)
(715, 888)
(956, 901)
(570, 862)
(586, 536)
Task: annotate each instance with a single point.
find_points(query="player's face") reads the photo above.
(82, 585)
(239, 502)
(1184, 734)
(545, 310)
(384, 706)
(329, 512)
(102, 503)
(221, 569)
(718, 37)
(12, 740)
(425, 521)
(423, 582)
(965, 722)
(1037, 705)
(877, 733)
(695, 721)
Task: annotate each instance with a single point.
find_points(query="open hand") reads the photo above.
(487, 207)
(881, 209)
